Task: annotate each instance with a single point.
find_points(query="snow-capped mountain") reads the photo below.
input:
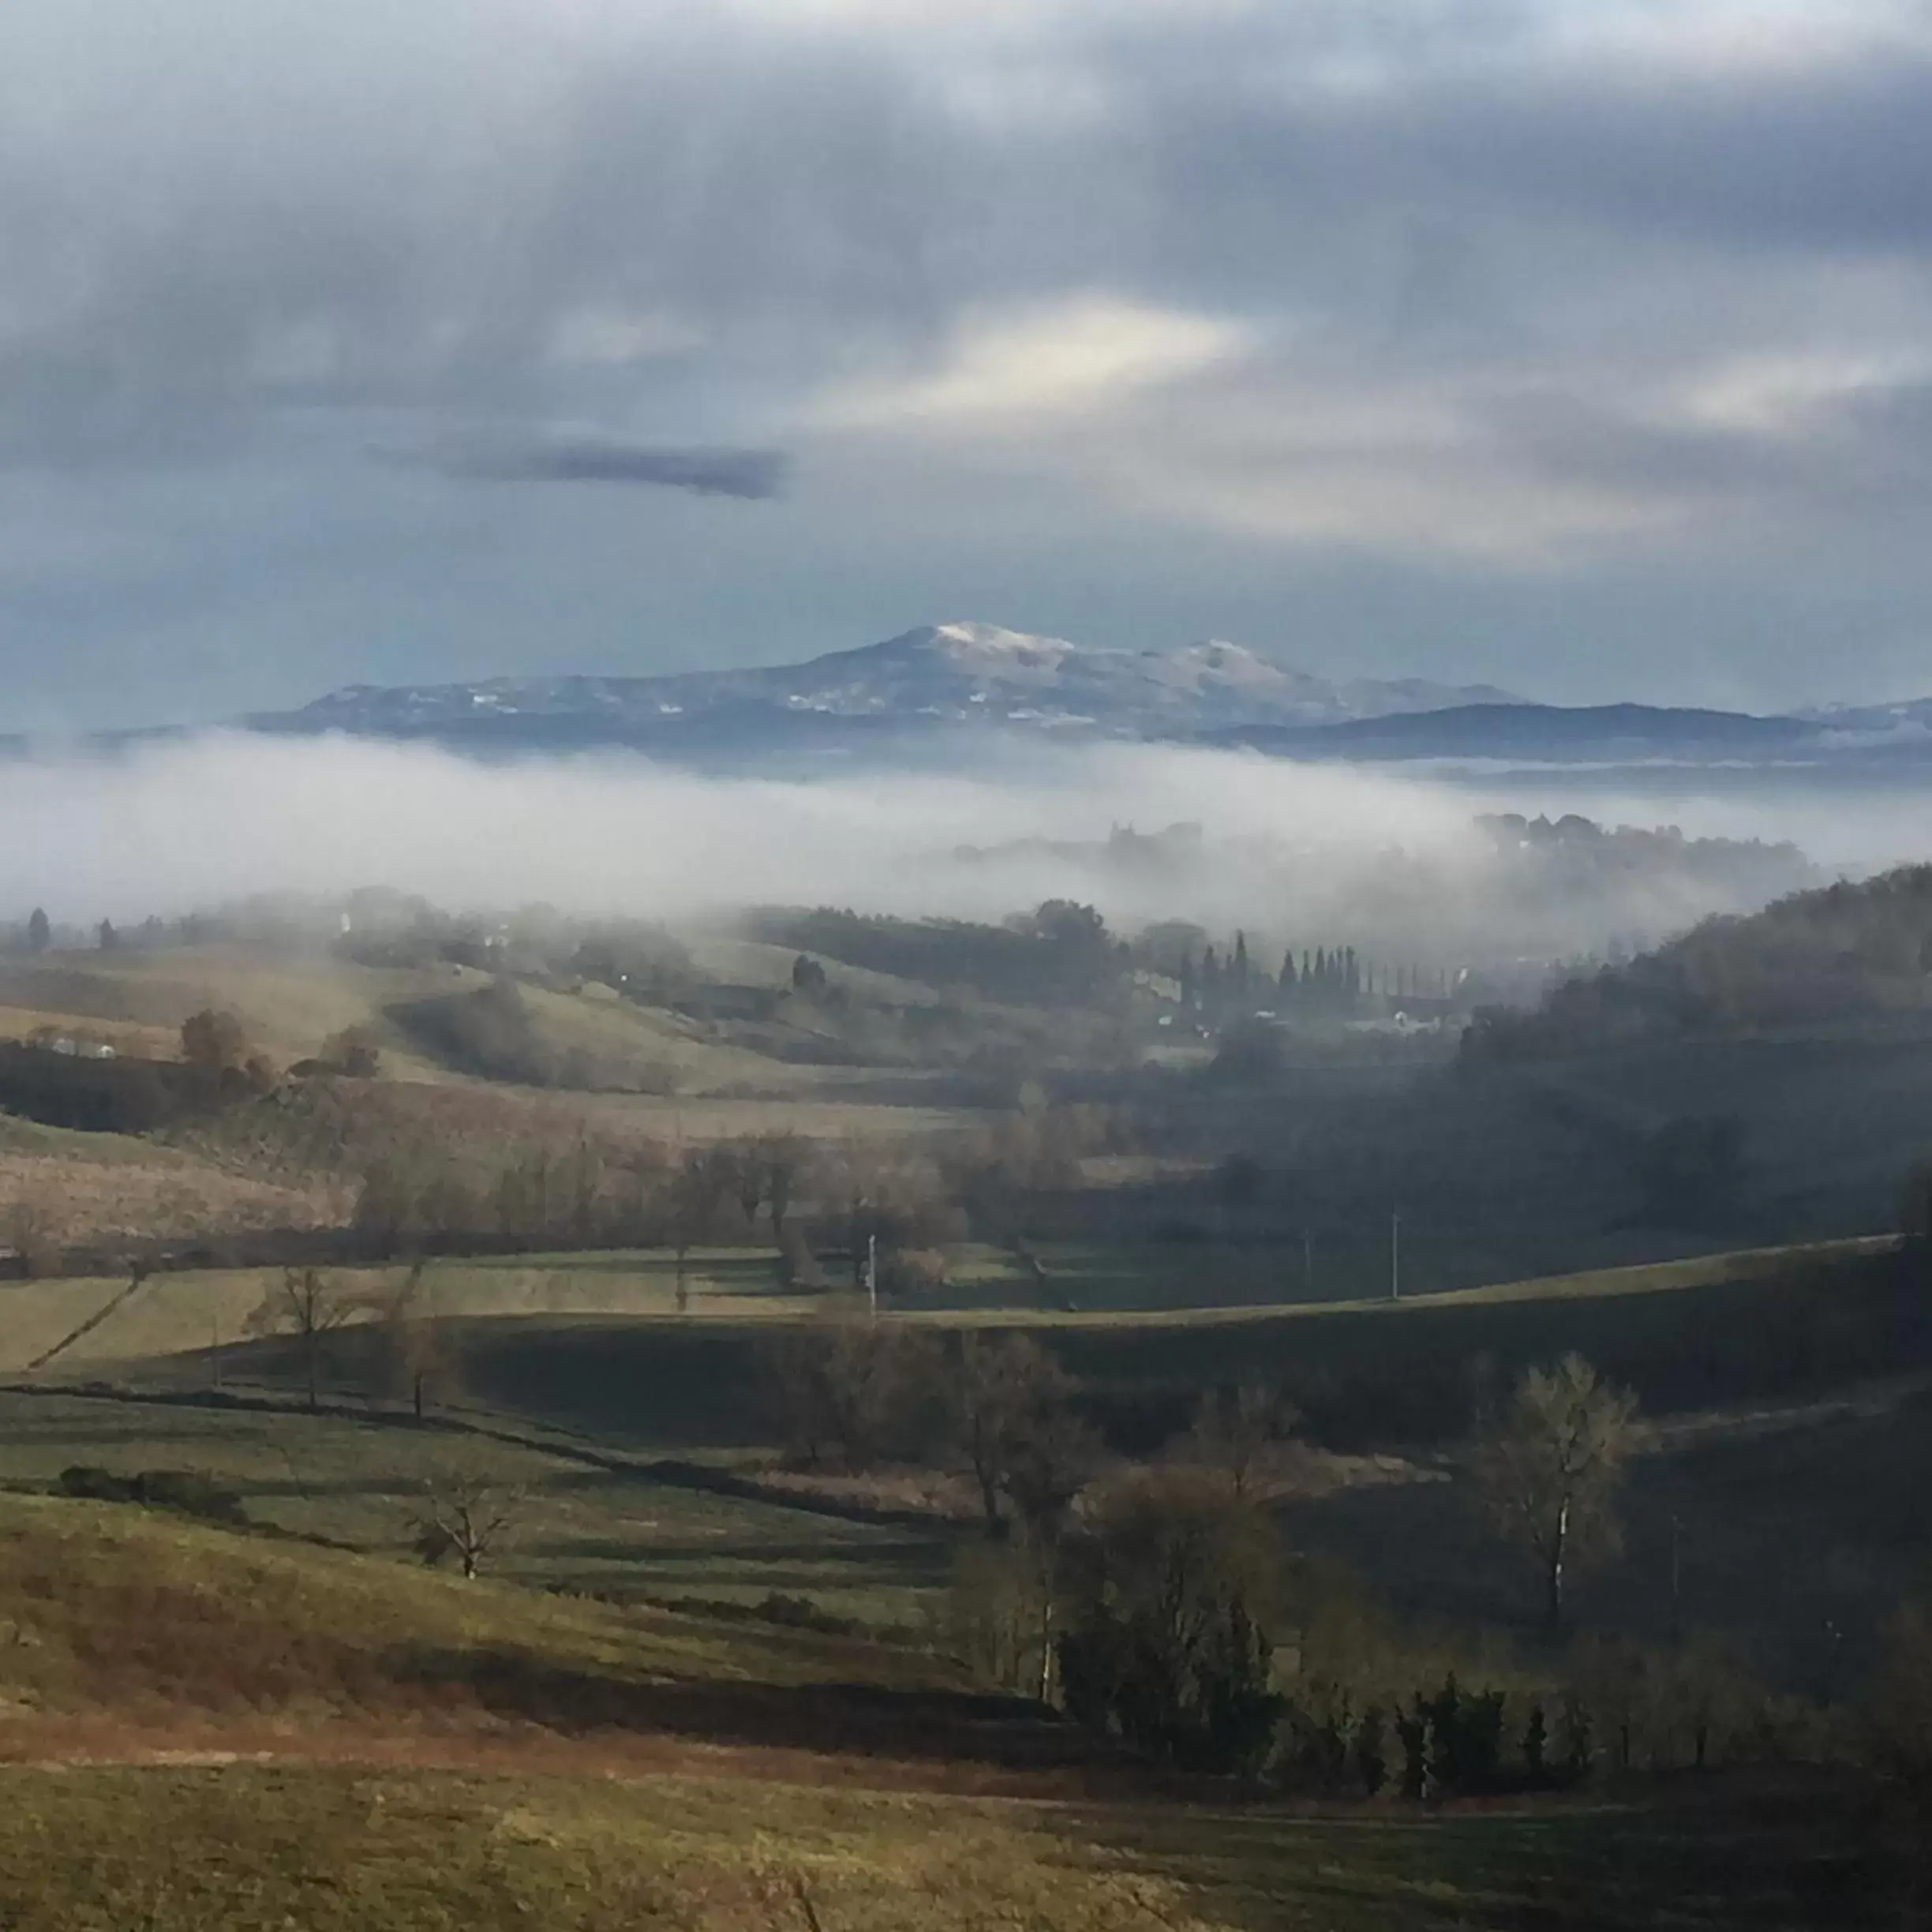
(960, 674)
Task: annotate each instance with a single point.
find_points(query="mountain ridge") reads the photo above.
(962, 673)
(955, 682)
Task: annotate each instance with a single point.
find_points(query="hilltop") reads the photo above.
(958, 681)
(1848, 953)
(947, 675)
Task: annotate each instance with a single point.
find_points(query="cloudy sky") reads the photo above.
(1581, 346)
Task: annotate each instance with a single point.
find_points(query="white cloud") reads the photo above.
(1789, 395)
(1007, 370)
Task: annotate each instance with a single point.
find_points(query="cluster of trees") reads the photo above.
(1059, 954)
(225, 1063)
(587, 1195)
(407, 1352)
(354, 1051)
(116, 1093)
(1352, 1726)
(38, 933)
(1151, 1606)
(830, 1211)
(1840, 952)
(1330, 981)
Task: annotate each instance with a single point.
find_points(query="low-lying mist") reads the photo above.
(1303, 852)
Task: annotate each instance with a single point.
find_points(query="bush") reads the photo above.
(1171, 1650)
(183, 1491)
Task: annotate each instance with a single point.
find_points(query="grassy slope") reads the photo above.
(356, 1692)
(344, 1850)
(113, 1609)
(357, 1482)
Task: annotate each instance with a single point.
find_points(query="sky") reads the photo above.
(1582, 346)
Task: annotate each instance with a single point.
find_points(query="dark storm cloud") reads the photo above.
(756, 475)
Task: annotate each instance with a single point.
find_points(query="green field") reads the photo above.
(579, 1526)
(300, 1723)
(643, 1435)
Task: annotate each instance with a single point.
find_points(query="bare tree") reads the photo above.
(307, 1304)
(856, 1392)
(31, 1234)
(465, 1513)
(385, 1207)
(1008, 1387)
(417, 1341)
(1552, 1470)
(744, 1165)
(1916, 1202)
(1237, 1431)
(580, 1183)
(696, 1190)
(1031, 1454)
(782, 1157)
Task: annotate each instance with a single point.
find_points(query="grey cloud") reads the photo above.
(800, 197)
(1466, 258)
(752, 474)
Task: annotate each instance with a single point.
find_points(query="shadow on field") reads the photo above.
(1731, 1856)
(1796, 1542)
(864, 1719)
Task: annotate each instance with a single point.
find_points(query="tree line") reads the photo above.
(1327, 982)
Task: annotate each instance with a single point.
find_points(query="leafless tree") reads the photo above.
(465, 1513)
(1237, 1431)
(856, 1392)
(30, 1233)
(417, 1341)
(782, 1157)
(693, 1196)
(385, 1207)
(1008, 1389)
(306, 1304)
(743, 1167)
(1552, 1470)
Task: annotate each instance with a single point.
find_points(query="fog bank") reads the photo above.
(165, 827)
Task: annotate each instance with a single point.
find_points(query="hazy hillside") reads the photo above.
(1844, 953)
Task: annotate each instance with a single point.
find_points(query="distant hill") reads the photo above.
(940, 677)
(1613, 733)
(957, 683)
(1843, 953)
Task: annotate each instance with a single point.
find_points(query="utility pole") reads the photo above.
(1394, 1255)
(1676, 1577)
(872, 1273)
